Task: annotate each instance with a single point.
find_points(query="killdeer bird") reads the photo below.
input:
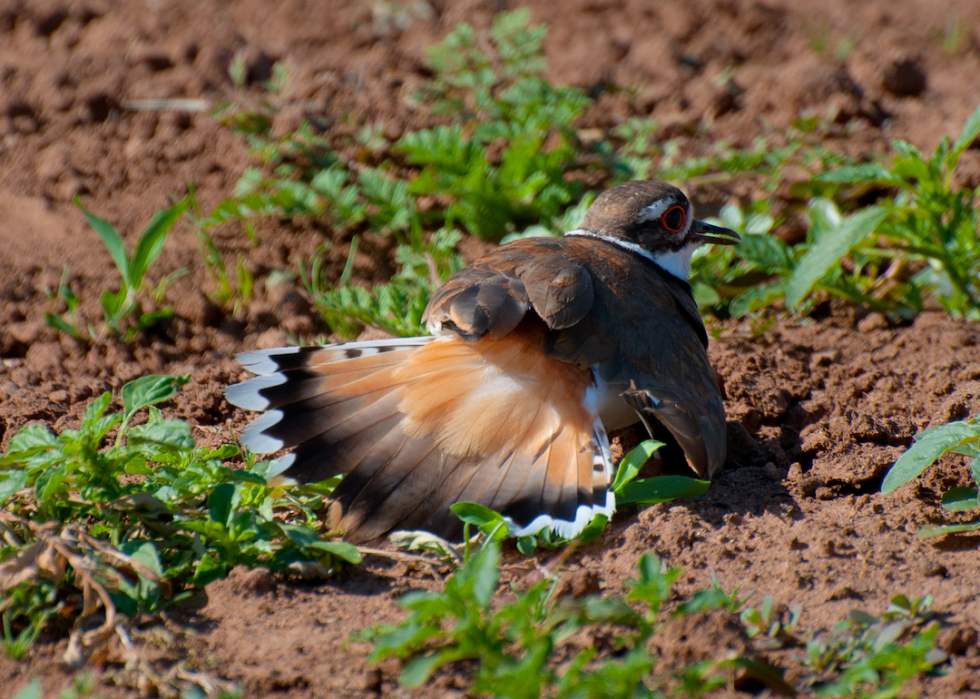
(537, 350)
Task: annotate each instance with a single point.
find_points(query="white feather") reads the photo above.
(261, 362)
(254, 437)
(678, 262)
(246, 394)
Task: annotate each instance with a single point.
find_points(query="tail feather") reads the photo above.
(285, 380)
(267, 362)
(380, 503)
(417, 424)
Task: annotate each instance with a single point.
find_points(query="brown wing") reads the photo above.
(658, 360)
(492, 295)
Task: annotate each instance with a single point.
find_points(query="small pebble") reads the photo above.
(59, 396)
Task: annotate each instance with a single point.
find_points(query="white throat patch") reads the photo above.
(678, 262)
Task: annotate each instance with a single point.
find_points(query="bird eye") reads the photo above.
(674, 219)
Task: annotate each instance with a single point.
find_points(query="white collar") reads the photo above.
(677, 262)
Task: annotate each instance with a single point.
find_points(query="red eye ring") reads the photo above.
(674, 218)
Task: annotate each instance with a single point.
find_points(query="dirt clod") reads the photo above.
(904, 77)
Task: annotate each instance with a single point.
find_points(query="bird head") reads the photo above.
(656, 220)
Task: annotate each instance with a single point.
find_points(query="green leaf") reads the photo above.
(767, 252)
(171, 433)
(927, 448)
(145, 552)
(219, 503)
(13, 482)
(150, 244)
(653, 585)
(868, 173)
(824, 216)
(28, 441)
(711, 598)
(971, 130)
(340, 549)
(957, 499)
(631, 464)
(943, 530)
(417, 672)
(112, 304)
(651, 491)
(49, 482)
(525, 544)
(149, 390)
(485, 572)
(826, 252)
(148, 320)
(704, 295)
(593, 529)
(487, 520)
(757, 297)
(61, 325)
(111, 239)
(97, 408)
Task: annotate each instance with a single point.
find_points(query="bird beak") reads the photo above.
(707, 233)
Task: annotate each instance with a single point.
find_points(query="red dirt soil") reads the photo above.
(818, 411)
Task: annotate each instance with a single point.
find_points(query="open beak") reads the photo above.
(706, 233)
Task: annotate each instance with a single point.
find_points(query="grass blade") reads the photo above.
(631, 464)
(110, 238)
(971, 130)
(150, 244)
(867, 173)
(62, 325)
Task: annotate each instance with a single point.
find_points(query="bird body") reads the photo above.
(539, 348)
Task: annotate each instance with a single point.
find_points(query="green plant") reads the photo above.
(508, 163)
(917, 243)
(70, 324)
(647, 491)
(864, 652)
(134, 520)
(960, 437)
(521, 644)
(738, 279)
(763, 270)
(123, 309)
(395, 307)
(236, 293)
(499, 97)
(860, 656)
(515, 645)
(929, 228)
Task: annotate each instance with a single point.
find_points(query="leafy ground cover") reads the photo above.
(363, 208)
